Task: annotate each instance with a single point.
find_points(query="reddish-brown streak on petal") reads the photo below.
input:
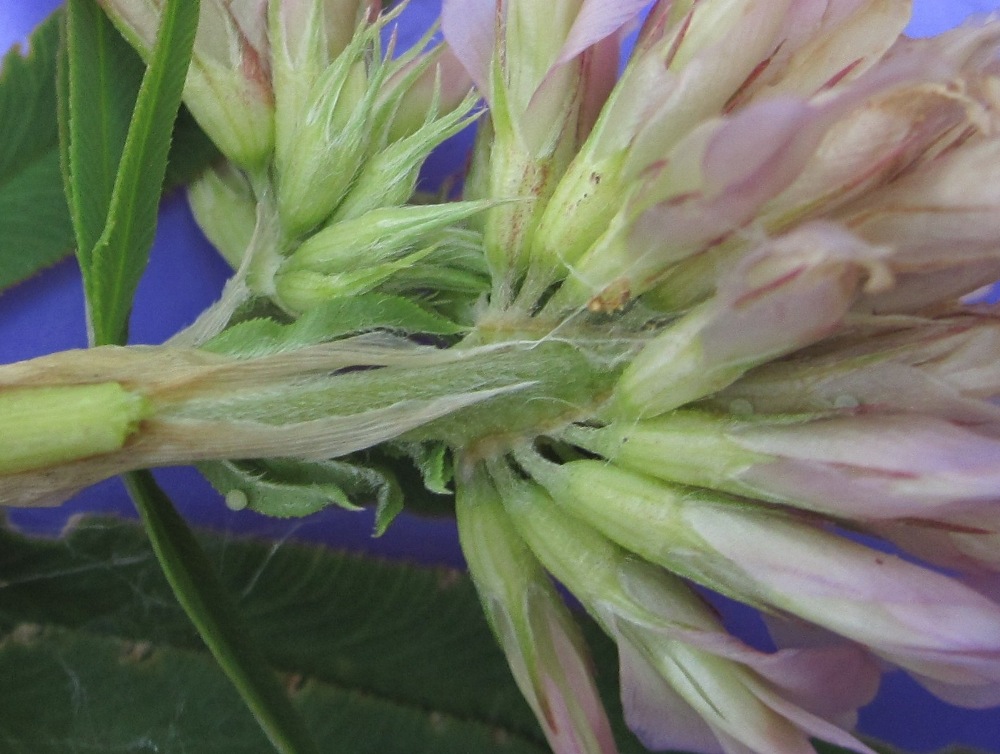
(737, 99)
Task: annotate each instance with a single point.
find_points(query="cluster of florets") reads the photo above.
(698, 323)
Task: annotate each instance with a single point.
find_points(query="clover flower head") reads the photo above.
(783, 194)
(700, 326)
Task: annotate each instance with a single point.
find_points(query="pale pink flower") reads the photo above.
(751, 250)
(945, 633)
(536, 61)
(778, 207)
(941, 366)
(856, 466)
(785, 294)
(697, 153)
(685, 683)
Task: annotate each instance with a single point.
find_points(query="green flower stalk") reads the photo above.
(132, 408)
(685, 325)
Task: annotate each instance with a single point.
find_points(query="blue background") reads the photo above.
(185, 275)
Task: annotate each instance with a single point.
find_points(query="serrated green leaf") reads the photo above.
(432, 460)
(333, 319)
(112, 267)
(35, 226)
(35, 230)
(388, 506)
(191, 151)
(385, 657)
(411, 641)
(101, 81)
(115, 193)
(72, 692)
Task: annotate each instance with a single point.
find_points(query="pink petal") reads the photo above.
(864, 466)
(656, 713)
(830, 40)
(778, 726)
(941, 367)
(970, 697)
(470, 27)
(540, 638)
(576, 722)
(905, 455)
(599, 72)
(786, 294)
(595, 21)
(887, 387)
(925, 291)
(965, 541)
(827, 683)
(830, 682)
(914, 617)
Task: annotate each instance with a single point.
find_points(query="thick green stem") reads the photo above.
(527, 387)
(42, 426)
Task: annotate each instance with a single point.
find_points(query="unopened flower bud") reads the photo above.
(389, 177)
(431, 83)
(381, 235)
(861, 467)
(327, 85)
(543, 644)
(672, 648)
(225, 210)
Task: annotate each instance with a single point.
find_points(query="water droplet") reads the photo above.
(741, 407)
(236, 500)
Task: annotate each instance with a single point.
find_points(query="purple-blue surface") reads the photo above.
(45, 314)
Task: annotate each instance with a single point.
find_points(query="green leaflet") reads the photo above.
(404, 650)
(285, 488)
(216, 617)
(35, 230)
(139, 697)
(121, 180)
(35, 226)
(113, 262)
(98, 89)
(432, 461)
